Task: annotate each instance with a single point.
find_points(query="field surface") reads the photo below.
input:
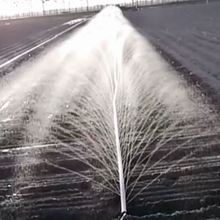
(20, 35)
(190, 33)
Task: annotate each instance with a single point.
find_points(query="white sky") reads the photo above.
(12, 7)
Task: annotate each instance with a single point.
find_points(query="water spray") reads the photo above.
(126, 106)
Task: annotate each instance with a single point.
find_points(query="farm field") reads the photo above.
(57, 131)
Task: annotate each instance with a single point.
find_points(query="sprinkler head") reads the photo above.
(123, 215)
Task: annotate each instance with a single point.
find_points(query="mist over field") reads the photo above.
(111, 114)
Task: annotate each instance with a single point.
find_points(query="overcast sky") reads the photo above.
(11, 7)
